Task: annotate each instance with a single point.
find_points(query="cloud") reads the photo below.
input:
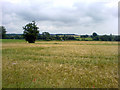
(70, 16)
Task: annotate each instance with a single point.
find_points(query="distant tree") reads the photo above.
(57, 37)
(46, 36)
(71, 38)
(94, 34)
(64, 37)
(17, 37)
(39, 37)
(84, 36)
(117, 38)
(31, 32)
(105, 38)
(111, 37)
(2, 32)
(96, 38)
(52, 37)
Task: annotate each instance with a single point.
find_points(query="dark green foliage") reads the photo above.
(57, 37)
(14, 36)
(84, 36)
(94, 34)
(46, 36)
(2, 32)
(96, 38)
(18, 37)
(71, 38)
(105, 38)
(30, 32)
(65, 37)
(117, 38)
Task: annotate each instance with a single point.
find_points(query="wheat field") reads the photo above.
(59, 64)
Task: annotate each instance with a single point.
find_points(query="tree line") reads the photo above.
(96, 37)
(31, 34)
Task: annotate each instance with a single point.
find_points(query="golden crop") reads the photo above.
(60, 64)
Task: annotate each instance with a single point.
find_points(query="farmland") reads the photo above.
(59, 64)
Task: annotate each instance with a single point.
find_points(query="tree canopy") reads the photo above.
(94, 34)
(30, 32)
(2, 32)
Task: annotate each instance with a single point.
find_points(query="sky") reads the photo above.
(61, 16)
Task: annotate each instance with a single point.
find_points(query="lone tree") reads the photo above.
(2, 32)
(31, 32)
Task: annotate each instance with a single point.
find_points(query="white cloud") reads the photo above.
(57, 16)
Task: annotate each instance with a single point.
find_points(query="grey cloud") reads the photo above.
(40, 12)
(80, 15)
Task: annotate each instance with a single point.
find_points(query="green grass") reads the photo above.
(12, 40)
(60, 64)
(83, 39)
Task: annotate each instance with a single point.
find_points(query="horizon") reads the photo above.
(68, 34)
